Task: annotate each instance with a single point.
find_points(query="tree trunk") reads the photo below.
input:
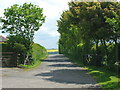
(98, 61)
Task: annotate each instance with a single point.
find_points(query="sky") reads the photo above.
(47, 35)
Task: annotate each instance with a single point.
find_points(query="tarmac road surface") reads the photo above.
(57, 71)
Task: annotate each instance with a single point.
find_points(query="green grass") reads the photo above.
(39, 54)
(31, 66)
(103, 76)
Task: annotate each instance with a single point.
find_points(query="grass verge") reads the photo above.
(104, 77)
(39, 54)
(107, 79)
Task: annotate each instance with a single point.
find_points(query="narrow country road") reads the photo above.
(55, 72)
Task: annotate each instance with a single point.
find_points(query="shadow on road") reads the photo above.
(63, 65)
(66, 71)
(69, 76)
(57, 56)
(58, 60)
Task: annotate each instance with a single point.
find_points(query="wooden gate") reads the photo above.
(9, 59)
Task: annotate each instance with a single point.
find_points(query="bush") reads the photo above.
(38, 54)
(19, 48)
(4, 47)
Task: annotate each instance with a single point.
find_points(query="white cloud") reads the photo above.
(52, 8)
(47, 35)
(45, 30)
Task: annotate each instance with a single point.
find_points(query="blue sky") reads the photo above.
(47, 35)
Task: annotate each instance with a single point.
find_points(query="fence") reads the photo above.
(8, 59)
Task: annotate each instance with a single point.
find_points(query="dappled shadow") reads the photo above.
(63, 65)
(57, 58)
(108, 80)
(69, 76)
(99, 75)
(106, 75)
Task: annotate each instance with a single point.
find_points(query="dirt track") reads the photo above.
(55, 72)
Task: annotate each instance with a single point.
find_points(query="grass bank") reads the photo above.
(39, 53)
(108, 79)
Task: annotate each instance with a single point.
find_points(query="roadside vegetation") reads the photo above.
(39, 53)
(90, 34)
(21, 22)
(102, 75)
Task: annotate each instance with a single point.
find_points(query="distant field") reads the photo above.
(52, 50)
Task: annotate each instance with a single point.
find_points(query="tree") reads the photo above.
(115, 23)
(84, 26)
(21, 21)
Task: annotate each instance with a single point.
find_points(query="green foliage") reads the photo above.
(38, 54)
(4, 47)
(12, 39)
(91, 28)
(115, 23)
(23, 19)
(105, 78)
(21, 22)
(19, 48)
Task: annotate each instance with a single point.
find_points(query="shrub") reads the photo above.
(19, 48)
(4, 46)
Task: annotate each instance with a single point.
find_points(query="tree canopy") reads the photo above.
(21, 22)
(90, 28)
